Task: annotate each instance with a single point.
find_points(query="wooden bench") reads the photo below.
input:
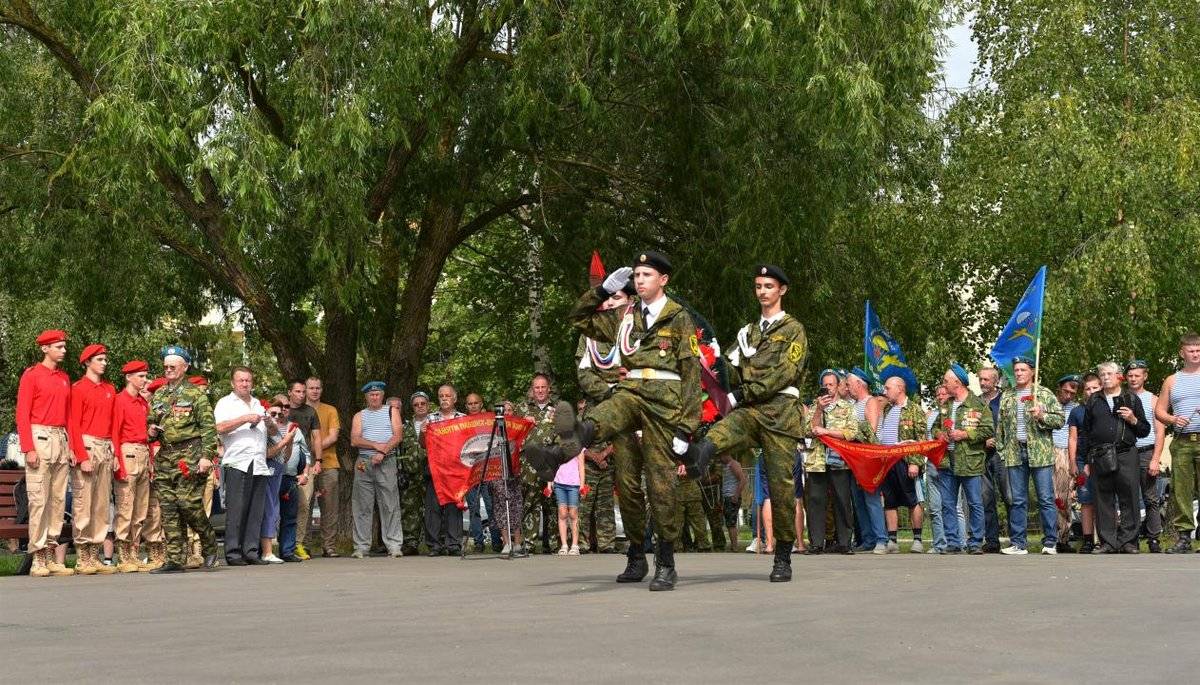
(9, 528)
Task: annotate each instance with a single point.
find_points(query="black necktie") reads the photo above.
(763, 325)
(646, 315)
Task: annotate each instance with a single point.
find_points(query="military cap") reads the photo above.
(1022, 359)
(51, 336)
(1070, 378)
(176, 351)
(1136, 364)
(372, 386)
(771, 271)
(198, 381)
(91, 351)
(135, 366)
(655, 260)
(419, 393)
(156, 384)
(838, 373)
(960, 373)
(629, 289)
(859, 373)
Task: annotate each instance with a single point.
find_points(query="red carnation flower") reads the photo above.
(948, 424)
(183, 468)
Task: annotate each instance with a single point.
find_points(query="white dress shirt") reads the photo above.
(246, 445)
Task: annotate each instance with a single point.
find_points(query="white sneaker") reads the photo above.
(880, 548)
(1049, 550)
(564, 551)
(507, 548)
(917, 547)
(1013, 549)
(574, 551)
(272, 559)
(753, 546)
(893, 547)
(358, 554)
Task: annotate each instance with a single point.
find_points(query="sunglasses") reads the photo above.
(275, 414)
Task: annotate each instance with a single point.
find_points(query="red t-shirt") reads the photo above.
(43, 398)
(91, 413)
(129, 420)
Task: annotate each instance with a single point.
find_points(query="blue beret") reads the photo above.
(960, 373)
(861, 374)
(372, 386)
(836, 372)
(176, 351)
(419, 393)
(1021, 359)
(1070, 378)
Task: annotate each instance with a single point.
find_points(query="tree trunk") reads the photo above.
(340, 389)
(541, 355)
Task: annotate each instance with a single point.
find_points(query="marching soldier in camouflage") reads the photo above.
(689, 501)
(181, 418)
(551, 438)
(766, 369)
(660, 394)
(714, 508)
(413, 473)
(599, 373)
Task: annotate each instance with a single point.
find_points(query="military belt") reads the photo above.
(182, 444)
(1190, 437)
(652, 375)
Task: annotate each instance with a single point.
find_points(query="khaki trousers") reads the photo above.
(91, 493)
(46, 486)
(133, 494)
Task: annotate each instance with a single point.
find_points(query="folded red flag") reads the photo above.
(457, 448)
(870, 463)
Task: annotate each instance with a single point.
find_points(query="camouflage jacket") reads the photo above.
(412, 458)
(766, 368)
(669, 345)
(183, 412)
(596, 383)
(1040, 433)
(974, 417)
(553, 424)
(840, 417)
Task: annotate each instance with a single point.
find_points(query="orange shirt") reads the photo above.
(327, 414)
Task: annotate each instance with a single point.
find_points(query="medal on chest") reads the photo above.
(663, 346)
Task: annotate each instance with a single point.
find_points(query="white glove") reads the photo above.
(617, 280)
(732, 400)
(679, 447)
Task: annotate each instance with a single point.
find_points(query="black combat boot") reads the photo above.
(664, 568)
(636, 568)
(545, 459)
(781, 572)
(698, 456)
(211, 562)
(170, 567)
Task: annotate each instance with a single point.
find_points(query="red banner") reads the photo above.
(870, 463)
(457, 448)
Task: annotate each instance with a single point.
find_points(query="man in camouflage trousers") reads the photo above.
(766, 367)
(659, 394)
(413, 475)
(553, 431)
(688, 499)
(182, 420)
(599, 373)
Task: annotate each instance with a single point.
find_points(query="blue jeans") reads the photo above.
(868, 509)
(933, 507)
(1043, 483)
(948, 485)
(289, 505)
(473, 498)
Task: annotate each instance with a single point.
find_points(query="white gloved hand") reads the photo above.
(679, 447)
(617, 280)
(732, 400)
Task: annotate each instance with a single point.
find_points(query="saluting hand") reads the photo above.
(617, 279)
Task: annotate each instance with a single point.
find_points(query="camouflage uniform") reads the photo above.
(553, 424)
(597, 384)
(688, 500)
(1040, 433)
(185, 417)
(714, 507)
(765, 367)
(412, 475)
(661, 408)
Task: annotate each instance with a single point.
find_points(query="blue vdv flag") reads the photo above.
(884, 358)
(1021, 337)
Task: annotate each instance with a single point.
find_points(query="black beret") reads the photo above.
(629, 288)
(771, 271)
(655, 260)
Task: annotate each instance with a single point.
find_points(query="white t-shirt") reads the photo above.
(245, 445)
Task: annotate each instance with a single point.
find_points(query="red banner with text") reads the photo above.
(458, 449)
(870, 463)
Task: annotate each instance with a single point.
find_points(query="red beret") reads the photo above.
(91, 351)
(52, 336)
(135, 366)
(156, 384)
(198, 381)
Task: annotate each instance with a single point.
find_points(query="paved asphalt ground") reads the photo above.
(901, 618)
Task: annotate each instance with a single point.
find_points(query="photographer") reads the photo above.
(1113, 421)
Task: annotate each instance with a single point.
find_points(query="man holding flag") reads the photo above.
(1029, 413)
(765, 370)
(1022, 337)
(903, 421)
